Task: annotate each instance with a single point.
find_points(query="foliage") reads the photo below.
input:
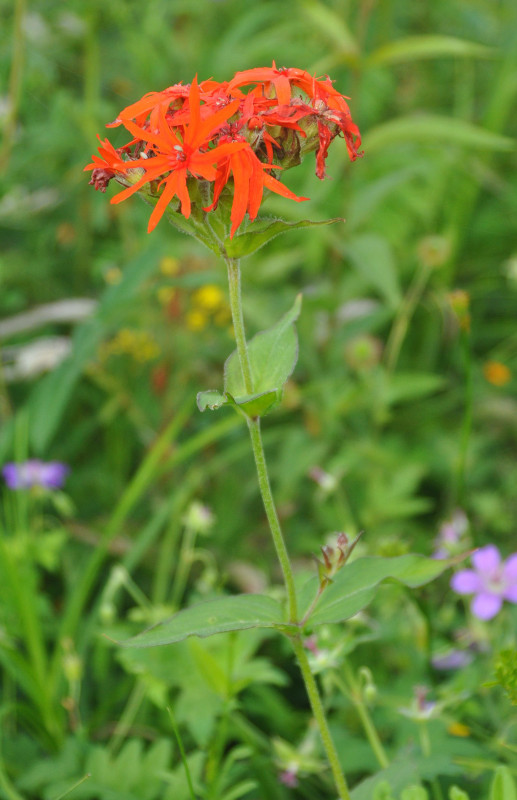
(393, 419)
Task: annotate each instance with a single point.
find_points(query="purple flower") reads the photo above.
(448, 542)
(454, 659)
(491, 581)
(50, 475)
(289, 778)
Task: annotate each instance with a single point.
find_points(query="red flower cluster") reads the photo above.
(216, 133)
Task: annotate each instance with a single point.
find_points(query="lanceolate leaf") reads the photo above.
(433, 129)
(273, 355)
(412, 48)
(234, 613)
(355, 585)
(262, 231)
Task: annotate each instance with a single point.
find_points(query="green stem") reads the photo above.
(320, 717)
(466, 426)
(272, 517)
(23, 592)
(234, 281)
(128, 717)
(185, 560)
(256, 438)
(15, 82)
(356, 696)
(276, 531)
(403, 318)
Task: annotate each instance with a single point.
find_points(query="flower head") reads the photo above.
(496, 373)
(491, 581)
(49, 475)
(187, 137)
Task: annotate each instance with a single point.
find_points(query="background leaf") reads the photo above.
(436, 130)
(503, 785)
(411, 48)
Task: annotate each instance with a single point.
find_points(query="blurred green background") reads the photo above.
(404, 394)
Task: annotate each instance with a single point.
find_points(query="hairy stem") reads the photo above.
(276, 531)
(320, 717)
(272, 517)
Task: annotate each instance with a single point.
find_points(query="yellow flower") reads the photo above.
(460, 303)
(458, 729)
(496, 373)
(209, 297)
(196, 320)
(139, 345)
(169, 265)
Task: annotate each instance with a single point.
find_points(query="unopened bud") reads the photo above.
(369, 688)
(199, 517)
(363, 352)
(324, 480)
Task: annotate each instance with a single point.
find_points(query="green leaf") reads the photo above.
(503, 785)
(373, 258)
(49, 399)
(412, 48)
(434, 129)
(455, 793)
(261, 231)
(253, 405)
(355, 586)
(273, 355)
(506, 673)
(408, 386)
(257, 405)
(235, 613)
(414, 793)
(396, 777)
(333, 26)
(211, 399)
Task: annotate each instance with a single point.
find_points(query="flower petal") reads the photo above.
(510, 593)
(466, 581)
(487, 559)
(510, 568)
(486, 606)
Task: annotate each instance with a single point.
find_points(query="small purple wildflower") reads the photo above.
(421, 709)
(47, 475)
(491, 581)
(448, 542)
(452, 660)
(289, 778)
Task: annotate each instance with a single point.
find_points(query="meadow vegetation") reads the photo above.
(399, 422)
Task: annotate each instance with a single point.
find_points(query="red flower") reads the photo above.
(280, 78)
(250, 177)
(176, 158)
(105, 166)
(217, 133)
